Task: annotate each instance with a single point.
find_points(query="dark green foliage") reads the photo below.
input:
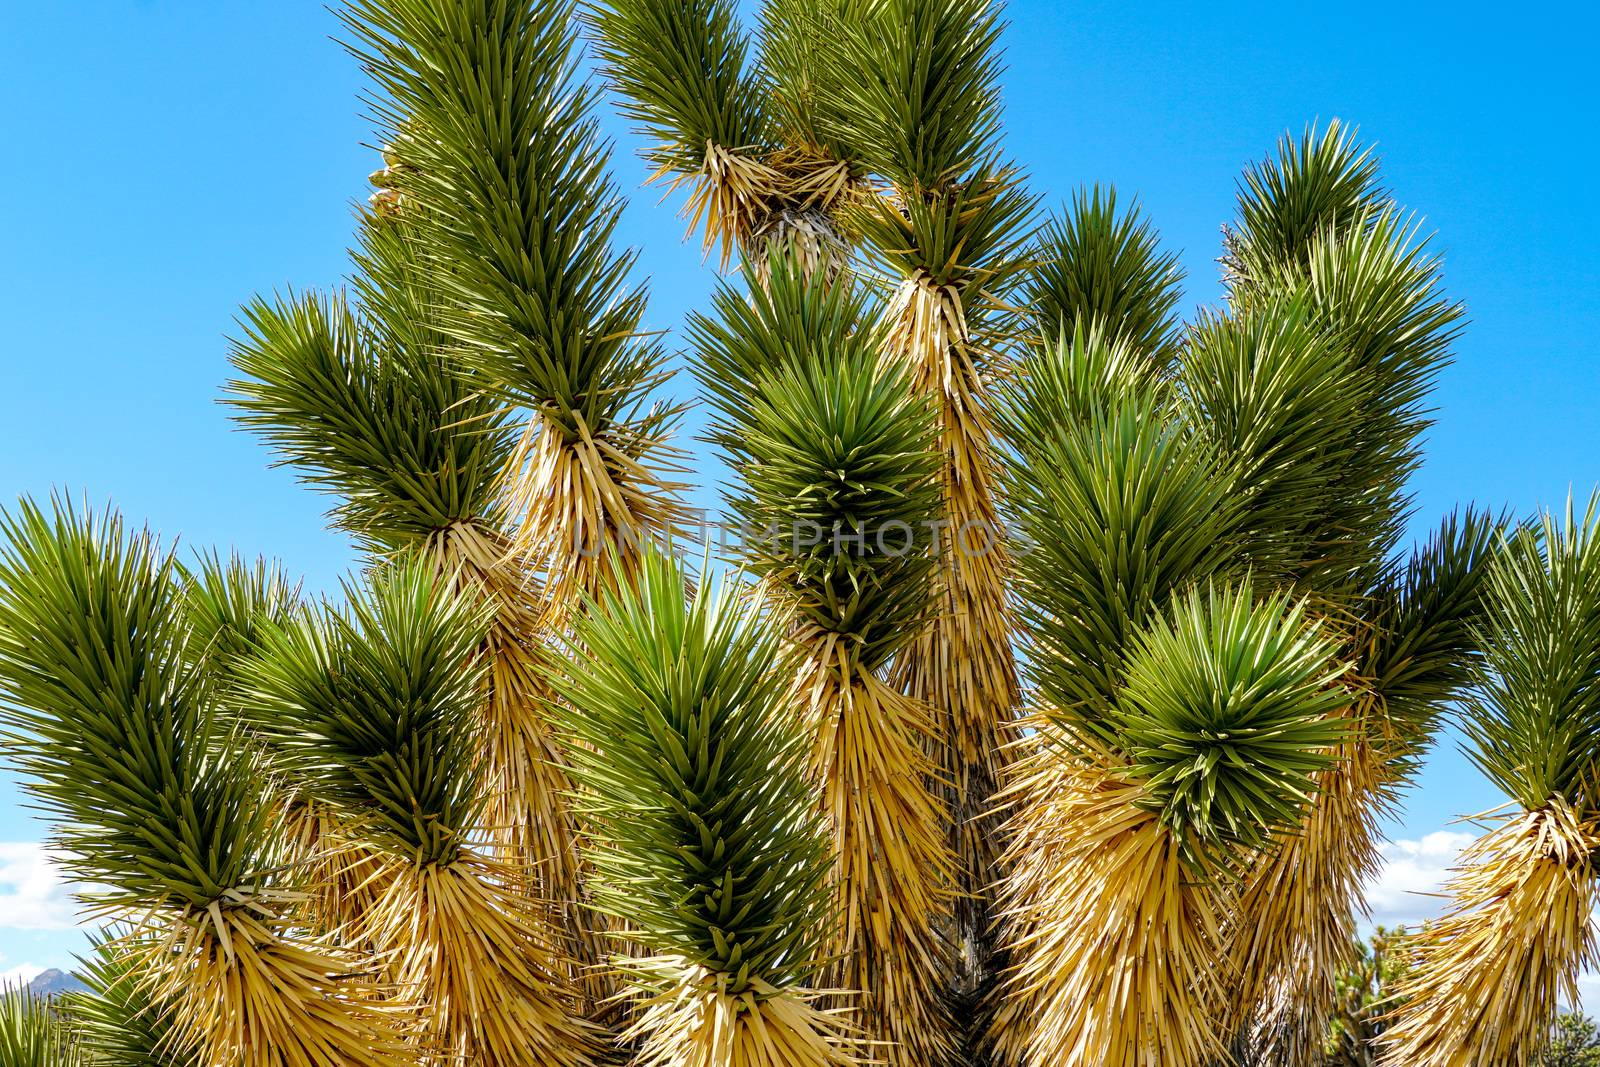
(154, 800)
(915, 91)
(1377, 296)
(118, 1023)
(681, 69)
(1317, 383)
(503, 177)
(1316, 229)
(1118, 507)
(835, 457)
(1533, 714)
(1074, 377)
(919, 87)
(365, 401)
(32, 1034)
(971, 231)
(1574, 1042)
(1096, 265)
(226, 606)
(1277, 399)
(1226, 716)
(797, 41)
(1423, 648)
(1327, 180)
(373, 709)
(706, 841)
(791, 318)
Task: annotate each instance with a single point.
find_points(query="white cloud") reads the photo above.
(34, 893)
(1410, 883)
(21, 974)
(1409, 889)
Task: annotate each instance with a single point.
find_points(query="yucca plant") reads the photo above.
(694, 773)
(873, 124)
(32, 1032)
(1491, 976)
(1367, 999)
(1316, 229)
(118, 1021)
(834, 495)
(917, 90)
(374, 706)
(503, 179)
(807, 811)
(364, 400)
(159, 803)
(1278, 445)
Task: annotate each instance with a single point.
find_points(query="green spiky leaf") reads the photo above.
(227, 603)
(919, 87)
(119, 1023)
(798, 55)
(373, 707)
(1533, 715)
(154, 798)
(1327, 180)
(504, 176)
(683, 74)
(1116, 506)
(692, 768)
(404, 442)
(1423, 652)
(1227, 716)
(33, 1033)
(1282, 404)
(835, 456)
(1097, 265)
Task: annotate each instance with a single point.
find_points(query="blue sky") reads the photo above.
(165, 159)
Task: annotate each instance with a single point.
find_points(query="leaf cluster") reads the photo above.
(691, 763)
(119, 1020)
(372, 707)
(1325, 180)
(227, 605)
(684, 76)
(834, 455)
(366, 402)
(510, 205)
(1533, 714)
(32, 1032)
(1096, 265)
(155, 798)
(1227, 716)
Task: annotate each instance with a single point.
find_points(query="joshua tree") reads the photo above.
(1491, 976)
(1041, 715)
(1574, 1042)
(1366, 999)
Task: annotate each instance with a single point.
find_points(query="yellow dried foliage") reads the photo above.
(696, 1022)
(529, 814)
(250, 993)
(586, 505)
(464, 942)
(962, 664)
(1296, 928)
(1118, 950)
(1489, 978)
(344, 878)
(746, 201)
(894, 869)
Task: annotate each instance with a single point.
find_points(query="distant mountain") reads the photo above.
(54, 982)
